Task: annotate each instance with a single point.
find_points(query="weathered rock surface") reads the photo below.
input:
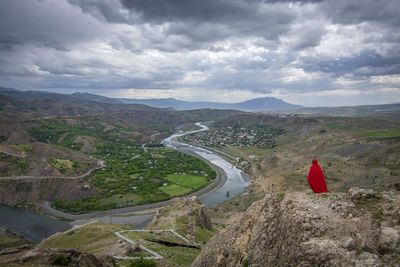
(303, 229)
(129, 248)
(360, 194)
(202, 218)
(186, 206)
(187, 213)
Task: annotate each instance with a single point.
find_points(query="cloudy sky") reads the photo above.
(313, 53)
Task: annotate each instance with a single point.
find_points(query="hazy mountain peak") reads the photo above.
(256, 104)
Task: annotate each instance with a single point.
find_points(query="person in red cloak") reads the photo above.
(316, 178)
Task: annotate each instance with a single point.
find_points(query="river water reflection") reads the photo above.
(33, 226)
(235, 181)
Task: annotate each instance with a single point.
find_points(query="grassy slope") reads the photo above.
(98, 238)
(377, 111)
(382, 134)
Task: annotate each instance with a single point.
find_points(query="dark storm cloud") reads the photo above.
(310, 37)
(205, 21)
(36, 23)
(206, 10)
(105, 10)
(358, 11)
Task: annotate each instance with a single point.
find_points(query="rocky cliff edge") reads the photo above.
(358, 228)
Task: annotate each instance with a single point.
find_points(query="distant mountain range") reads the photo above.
(41, 95)
(85, 103)
(54, 104)
(33, 104)
(257, 104)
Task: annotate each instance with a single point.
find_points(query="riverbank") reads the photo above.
(228, 179)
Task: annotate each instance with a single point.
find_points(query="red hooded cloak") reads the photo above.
(316, 178)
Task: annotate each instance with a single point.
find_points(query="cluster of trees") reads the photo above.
(58, 132)
(83, 206)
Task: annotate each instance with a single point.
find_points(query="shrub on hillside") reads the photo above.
(142, 263)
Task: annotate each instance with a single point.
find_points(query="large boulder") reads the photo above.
(388, 239)
(359, 194)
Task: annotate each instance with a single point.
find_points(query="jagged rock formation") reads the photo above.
(186, 212)
(305, 229)
(129, 248)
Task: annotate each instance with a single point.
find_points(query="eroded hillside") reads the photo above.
(361, 152)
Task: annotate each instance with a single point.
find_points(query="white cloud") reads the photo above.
(384, 79)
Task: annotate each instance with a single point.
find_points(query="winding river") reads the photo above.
(235, 180)
(37, 226)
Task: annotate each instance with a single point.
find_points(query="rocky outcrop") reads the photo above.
(360, 194)
(202, 217)
(182, 207)
(306, 229)
(128, 248)
(186, 213)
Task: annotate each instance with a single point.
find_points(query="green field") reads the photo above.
(180, 184)
(384, 133)
(174, 190)
(338, 126)
(187, 180)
